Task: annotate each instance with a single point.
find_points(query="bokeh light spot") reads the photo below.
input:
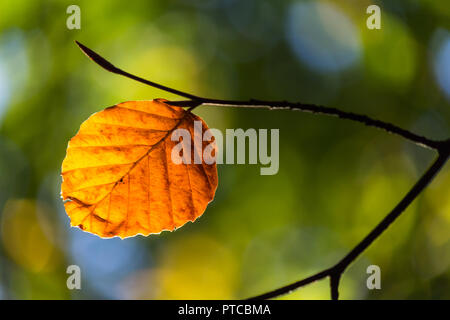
(24, 240)
(441, 61)
(322, 36)
(390, 53)
(105, 262)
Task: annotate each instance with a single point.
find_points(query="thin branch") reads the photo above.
(316, 109)
(334, 285)
(335, 272)
(105, 64)
(274, 105)
(338, 269)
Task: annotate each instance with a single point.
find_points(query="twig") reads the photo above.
(274, 105)
(335, 272)
(338, 269)
(111, 68)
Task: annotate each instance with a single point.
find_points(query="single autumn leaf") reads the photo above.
(119, 178)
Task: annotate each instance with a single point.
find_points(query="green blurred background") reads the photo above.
(336, 180)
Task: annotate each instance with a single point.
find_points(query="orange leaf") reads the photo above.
(118, 176)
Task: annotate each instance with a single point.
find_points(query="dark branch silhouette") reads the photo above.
(111, 68)
(274, 105)
(336, 271)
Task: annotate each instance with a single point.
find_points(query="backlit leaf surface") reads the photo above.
(119, 178)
